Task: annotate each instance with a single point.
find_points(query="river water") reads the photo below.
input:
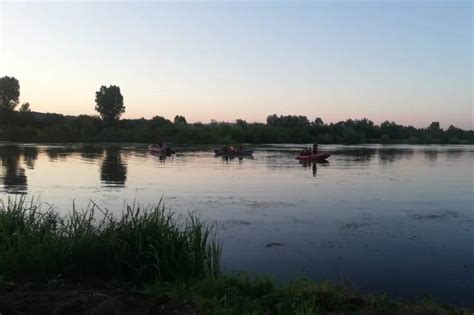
(396, 219)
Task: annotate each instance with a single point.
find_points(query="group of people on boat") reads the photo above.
(162, 149)
(163, 146)
(233, 151)
(309, 151)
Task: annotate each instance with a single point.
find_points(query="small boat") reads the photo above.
(155, 149)
(228, 152)
(314, 157)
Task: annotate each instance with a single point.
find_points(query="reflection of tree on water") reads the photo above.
(455, 154)
(13, 176)
(431, 155)
(87, 152)
(362, 156)
(62, 153)
(388, 156)
(30, 155)
(358, 154)
(113, 171)
(91, 153)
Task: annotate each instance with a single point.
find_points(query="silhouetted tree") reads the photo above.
(434, 126)
(434, 131)
(24, 116)
(25, 108)
(109, 103)
(289, 121)
(159, 121)
(180, 120)
(454, 134)
(9, 93)
(30, 155)
(241, 123)
(350, 136)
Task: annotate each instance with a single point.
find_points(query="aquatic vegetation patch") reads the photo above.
(229, 224)
(239, 222)
(365, 219)
(435, 215)
(267, 204)
(354, 225)
(274, 244)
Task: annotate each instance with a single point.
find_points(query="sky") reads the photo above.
(406, 61)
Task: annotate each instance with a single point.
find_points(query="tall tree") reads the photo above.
(9, 93)
(109, 103)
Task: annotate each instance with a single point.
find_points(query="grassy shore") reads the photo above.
(148, 261)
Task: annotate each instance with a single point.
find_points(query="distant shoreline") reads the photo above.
(55, 128)
(303, 144)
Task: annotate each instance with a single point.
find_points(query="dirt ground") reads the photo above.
(76, 300)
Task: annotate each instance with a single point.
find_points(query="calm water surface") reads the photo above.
(396, 219)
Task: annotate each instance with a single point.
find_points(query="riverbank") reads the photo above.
(148, 261)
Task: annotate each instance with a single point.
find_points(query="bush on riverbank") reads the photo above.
(148, 261)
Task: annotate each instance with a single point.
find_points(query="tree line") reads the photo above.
(23, 124)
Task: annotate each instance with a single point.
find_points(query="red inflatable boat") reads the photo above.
(314, 157)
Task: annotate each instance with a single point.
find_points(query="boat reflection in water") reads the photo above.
(313, 165)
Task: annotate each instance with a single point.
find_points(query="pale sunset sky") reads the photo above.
(407, 61)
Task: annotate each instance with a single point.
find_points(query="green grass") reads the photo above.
(238, 294)
(141, 245)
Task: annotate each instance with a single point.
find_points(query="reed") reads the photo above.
(142, 245)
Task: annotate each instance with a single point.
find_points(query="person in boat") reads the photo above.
(315, 148)
(304, 152)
